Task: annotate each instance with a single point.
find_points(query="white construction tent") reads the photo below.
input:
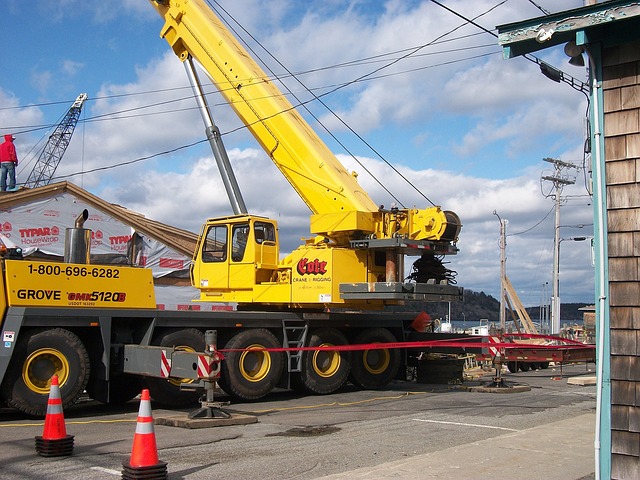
(36, 220)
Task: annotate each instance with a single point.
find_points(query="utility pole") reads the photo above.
(559, 181)
(503, 268)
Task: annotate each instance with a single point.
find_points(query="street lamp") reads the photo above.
(555, 300)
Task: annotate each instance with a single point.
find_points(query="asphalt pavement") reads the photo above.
(406, 431)
(561, 450)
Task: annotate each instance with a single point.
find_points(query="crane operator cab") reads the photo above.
(234, 254)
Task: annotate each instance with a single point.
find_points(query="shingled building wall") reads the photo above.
(621, 85)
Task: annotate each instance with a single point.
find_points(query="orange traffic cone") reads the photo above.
(144, 461)
(54, 441)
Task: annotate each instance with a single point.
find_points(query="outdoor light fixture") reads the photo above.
(550, 72)
(575, 53)
(544, 35)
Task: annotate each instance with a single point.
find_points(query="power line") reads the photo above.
(410, 53)
(546, 12)
(22, 129)
(350, 63)
(534, 226)
(406, 53)
(136, 160)
(546, 69)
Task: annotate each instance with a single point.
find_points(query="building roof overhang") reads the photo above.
(617, 20)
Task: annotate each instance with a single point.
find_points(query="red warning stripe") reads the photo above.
(494, 351)
(207, 367)
(165, 365)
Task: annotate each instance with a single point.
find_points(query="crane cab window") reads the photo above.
(239, 236)
(264, 232)
(215, 244)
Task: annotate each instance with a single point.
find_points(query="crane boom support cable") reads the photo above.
(412, 52)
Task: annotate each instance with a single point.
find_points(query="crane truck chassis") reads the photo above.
(87, 324)
(98, 329)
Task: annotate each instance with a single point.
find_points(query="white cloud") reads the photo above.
(13, 115)
(41, 80)
(71, 68)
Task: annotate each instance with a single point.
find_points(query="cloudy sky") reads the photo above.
(426, 92)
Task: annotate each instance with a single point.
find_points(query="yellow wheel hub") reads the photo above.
(255, 365)
(376, 361)
(40, 366)
(178, 381)
(326, 363)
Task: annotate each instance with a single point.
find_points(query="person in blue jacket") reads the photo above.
(8, 163)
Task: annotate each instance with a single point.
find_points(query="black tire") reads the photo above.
(323, 371)
(167, 392)
(535, 365)
(121, 389)
(374, 369)
(544, 365)
(512, 366)
(38, 355)
(524, 366)
(250, 375)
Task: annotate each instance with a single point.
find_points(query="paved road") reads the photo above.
(349, 433)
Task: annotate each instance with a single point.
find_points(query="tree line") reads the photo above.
(478, 305)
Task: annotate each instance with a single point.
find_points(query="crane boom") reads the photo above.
(57, 144)
(356, 256)
(342, 209)
(305, 161)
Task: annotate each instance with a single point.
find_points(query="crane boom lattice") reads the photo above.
(57, 144)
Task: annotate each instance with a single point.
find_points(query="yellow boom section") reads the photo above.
(191, 28)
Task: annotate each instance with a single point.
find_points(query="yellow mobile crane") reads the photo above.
(354, 257)
(97, 327)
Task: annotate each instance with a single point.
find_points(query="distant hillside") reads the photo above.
(479, 305)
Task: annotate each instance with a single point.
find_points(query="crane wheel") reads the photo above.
(524, 366)
(251, 374)
(167, 392)
(323, 371)
(38, 355)
(117, 391)
(513, 367)
(375, 368)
